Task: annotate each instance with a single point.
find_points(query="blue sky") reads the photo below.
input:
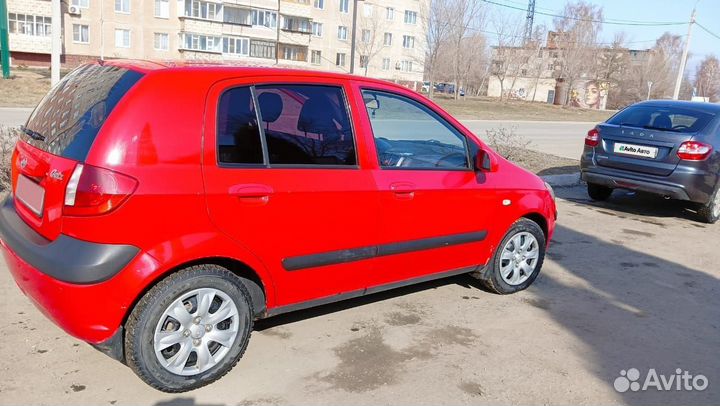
(642, 37)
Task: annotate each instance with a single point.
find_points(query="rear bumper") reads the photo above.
(92, 312)
(685, 183)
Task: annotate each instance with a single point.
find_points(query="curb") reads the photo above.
(565, 180)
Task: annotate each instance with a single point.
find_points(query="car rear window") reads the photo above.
(660, 118)
(71, 115)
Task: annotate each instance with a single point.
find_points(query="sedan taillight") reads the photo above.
(694, 151)
(92, 191)
(593, 138)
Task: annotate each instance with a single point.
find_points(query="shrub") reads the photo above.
(8, 137)
(506, 142)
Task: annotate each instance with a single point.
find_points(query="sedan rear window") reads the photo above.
(68, 119)
(664, 119)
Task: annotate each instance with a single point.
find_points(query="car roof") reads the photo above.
(682, 104)
(224, 69)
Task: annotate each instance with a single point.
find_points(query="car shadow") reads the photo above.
(560, 170)
(634, 203)
(632, 309)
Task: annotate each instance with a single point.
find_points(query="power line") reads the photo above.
(707, 30)
(608, 21)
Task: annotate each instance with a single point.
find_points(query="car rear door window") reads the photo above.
(306, 125)
(408, 135)
(238, 134)
(660, 118)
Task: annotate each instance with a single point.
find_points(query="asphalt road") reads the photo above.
(558, 138)
(631, 283)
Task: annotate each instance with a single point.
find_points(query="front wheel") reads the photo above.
(518, 260)
(190, 329)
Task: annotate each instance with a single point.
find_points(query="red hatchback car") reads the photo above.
(156, 211)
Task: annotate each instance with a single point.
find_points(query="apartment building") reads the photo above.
(312, 34)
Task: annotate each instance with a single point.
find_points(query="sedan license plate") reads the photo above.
(31, 194)
(635, 150)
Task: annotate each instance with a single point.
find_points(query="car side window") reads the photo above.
(306, 125)
(409, 135)
(238, 134)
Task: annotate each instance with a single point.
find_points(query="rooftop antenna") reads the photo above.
(529, 21)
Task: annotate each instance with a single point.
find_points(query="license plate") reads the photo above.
(635, 150)
(31, 194)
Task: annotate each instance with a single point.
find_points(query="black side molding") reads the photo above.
(358, 254)
(67, 259)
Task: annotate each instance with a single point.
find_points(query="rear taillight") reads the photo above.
(92, 191)
(593, 138)
(694, 151)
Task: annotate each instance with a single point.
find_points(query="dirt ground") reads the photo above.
(486, 108)
(631, 283)
(25, 88)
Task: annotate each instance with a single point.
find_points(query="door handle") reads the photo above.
(251, 192)
(403, 190)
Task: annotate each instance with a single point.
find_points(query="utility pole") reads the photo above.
(277, 41)
(352, 37)
(683, 60)
(529, 19)
(56, 43)
(4, 41)
(649, 83)
(102, 32)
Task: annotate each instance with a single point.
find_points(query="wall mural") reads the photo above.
(589, 94)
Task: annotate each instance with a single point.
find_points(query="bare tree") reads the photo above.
(506, 56)
(707, 78)
(465, 15)
(576, 33)
(439, 26)
(372, 36)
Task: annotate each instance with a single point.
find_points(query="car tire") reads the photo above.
(599, 192)
(207, 293)
(710, 212)
(503, 275)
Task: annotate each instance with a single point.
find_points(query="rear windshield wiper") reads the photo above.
(32, 134)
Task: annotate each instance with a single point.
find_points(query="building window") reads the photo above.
(387, 39)
(315, 57)
(201, 9)
(264, 18)
(293, 53)
(317, 29)
(344, 6)
(262, 49)
(236, 15)
(162, 8)
(236, 46)
(161, 41)
(30, 25)
(122, 6)
(364, 61)
(81, 33)
(340, 59)
(342, 33)
(406, 66)
(197, 42)
(81, 3)
(386, 64)
(389, 13)
(365, 36)
(296, 24)
(319, 4)
(410, 17)
(367, 10)
(122, 38)
(408, 41)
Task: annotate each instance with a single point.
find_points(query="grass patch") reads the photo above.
(25, 88)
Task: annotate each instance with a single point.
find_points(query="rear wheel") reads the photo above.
(710, 212)
(190, 329)
(518, 260)
(599, 192)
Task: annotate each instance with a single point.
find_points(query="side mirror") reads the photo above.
(485, 161)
